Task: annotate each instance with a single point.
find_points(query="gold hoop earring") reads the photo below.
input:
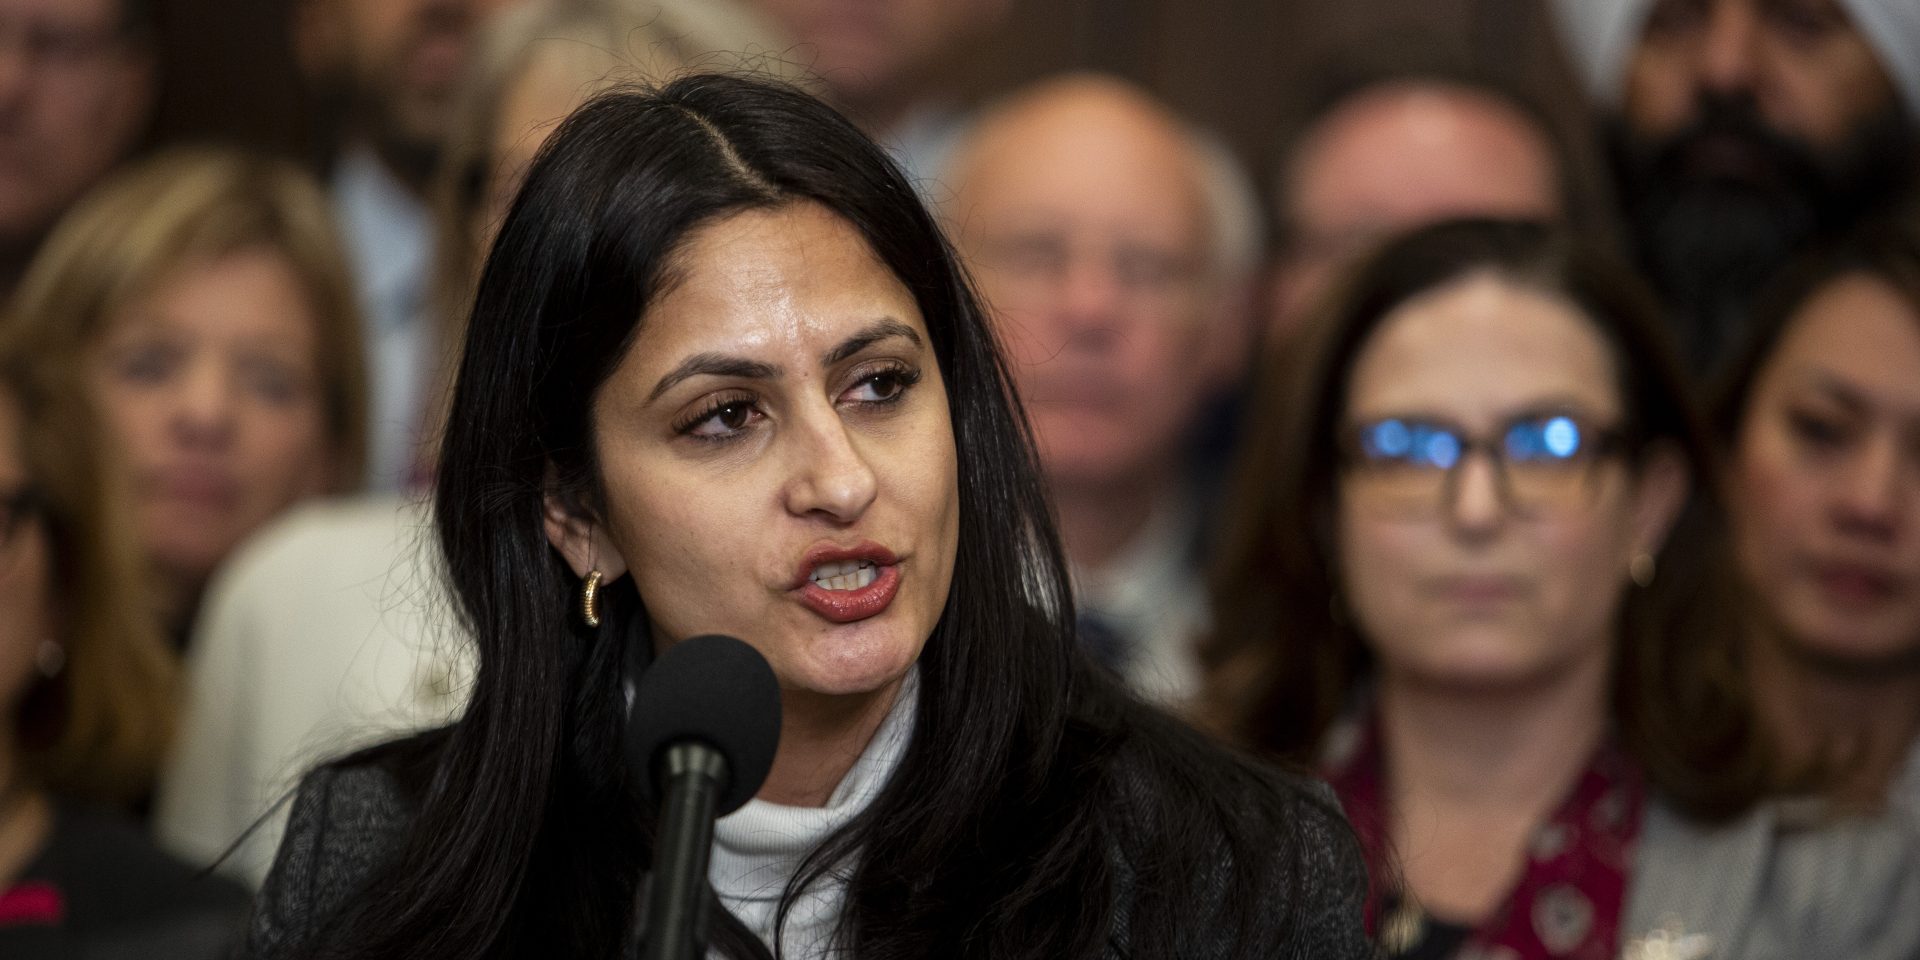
(1641, 569)
(590, 599)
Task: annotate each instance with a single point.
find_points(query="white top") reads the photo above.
(388, 234)
(329, 631)
(1154, 595)
(757, 848)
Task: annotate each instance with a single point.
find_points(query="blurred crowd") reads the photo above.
(1543, 471)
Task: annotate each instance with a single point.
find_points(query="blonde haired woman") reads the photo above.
(203, 296)
(87, 689)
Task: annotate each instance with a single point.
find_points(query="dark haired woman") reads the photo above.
(1448, 583)
(1823, 415)
(722, 365)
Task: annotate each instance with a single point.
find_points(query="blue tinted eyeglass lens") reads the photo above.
(1410, 444)
(1387, 440)
(1547, 439)
(1439, 448)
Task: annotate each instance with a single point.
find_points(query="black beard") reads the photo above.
(1718, 209)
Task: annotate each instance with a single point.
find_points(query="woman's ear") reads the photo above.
(581, 540)
(1660, 495)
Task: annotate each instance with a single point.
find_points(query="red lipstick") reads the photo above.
(868, 577)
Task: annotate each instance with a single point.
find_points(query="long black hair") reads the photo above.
(997, 833)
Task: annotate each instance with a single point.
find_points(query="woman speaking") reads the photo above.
(724, 375)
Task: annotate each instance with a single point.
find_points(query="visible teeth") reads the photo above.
(847, 575)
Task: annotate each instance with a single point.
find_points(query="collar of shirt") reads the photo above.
(1154, 597)
(1905, 798)
(389, 237)
(757, 847)
(1158, 561)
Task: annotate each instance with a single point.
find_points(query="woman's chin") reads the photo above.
(1482, 668)
(854, 669)
(1862, 643)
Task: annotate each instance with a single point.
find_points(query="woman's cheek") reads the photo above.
(1771, 509)
(1376, 579)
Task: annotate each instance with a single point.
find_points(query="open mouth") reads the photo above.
(844, 584)
(845, 575)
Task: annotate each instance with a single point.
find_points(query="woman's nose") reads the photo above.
(1477, 504)
(1090, 296)
(1875, 489)
(204, 405)
(830, 475)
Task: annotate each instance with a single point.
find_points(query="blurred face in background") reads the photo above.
(1827, 478)
(26, 603)
(1748, 127)
(879, 56)
(75, 92)
(211, 383)
(399, 63)
(1083, 219)
(555, 81)
(1496, 577)
(1396, 157)
(1801, 69)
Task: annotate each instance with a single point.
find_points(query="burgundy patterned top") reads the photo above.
(1568, 902)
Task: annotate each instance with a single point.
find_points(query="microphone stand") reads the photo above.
(693, 775)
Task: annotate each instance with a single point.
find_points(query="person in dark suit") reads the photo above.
(723, 374)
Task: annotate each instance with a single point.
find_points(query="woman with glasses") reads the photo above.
(1476, 571)
(87, 698)
(1823, 417)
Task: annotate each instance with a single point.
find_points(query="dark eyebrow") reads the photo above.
(1554, 407)
(715, 365)
(880, 330)
(1839, 391)
(721, 365)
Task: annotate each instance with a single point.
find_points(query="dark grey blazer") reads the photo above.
(1784, 882)
(345, 820)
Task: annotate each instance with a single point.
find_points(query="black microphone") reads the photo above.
(704, 725)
